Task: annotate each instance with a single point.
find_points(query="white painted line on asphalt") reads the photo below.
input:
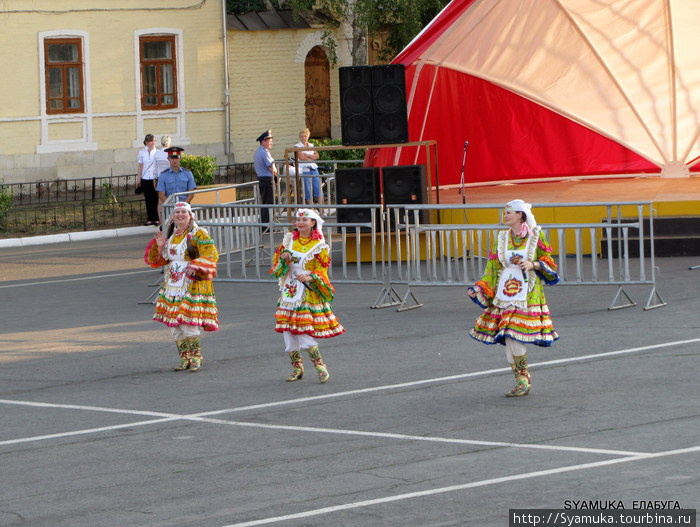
(453, 488)
(437, 380)
(92, 277)
(429, 439)
(196, 418)
(61, 435)
(200, 416)
(90, 408)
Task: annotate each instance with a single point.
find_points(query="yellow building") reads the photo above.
(85, 80)
(281, 78)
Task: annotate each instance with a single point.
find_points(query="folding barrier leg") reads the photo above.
(654, 294)
(622, 292)
(387, 292)
(151, 299)
(405, 297)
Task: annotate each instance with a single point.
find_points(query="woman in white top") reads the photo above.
(307, 170)
(162, 162)
(147, 177)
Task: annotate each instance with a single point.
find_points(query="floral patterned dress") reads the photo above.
(183, 299)
(514, 301)
(304, 308)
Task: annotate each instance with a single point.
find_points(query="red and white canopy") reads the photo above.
(555, 88)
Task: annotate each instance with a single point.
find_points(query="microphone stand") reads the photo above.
(461, 177)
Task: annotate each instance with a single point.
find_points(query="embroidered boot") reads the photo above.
(523, 382)
(183, 347)
(321, 369)
(297, 364)
(195, 353)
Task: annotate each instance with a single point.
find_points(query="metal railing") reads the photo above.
(610, 252)
(405, 245)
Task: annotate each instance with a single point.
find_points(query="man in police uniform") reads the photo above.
(266, 169)
(174, 180)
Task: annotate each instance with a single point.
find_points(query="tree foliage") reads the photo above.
(403, 19)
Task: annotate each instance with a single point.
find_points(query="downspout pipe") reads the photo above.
(227, 100)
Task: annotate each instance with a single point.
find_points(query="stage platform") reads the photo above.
(671, 196)
(676, 203)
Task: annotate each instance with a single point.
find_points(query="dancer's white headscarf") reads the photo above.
(518, 205)
(310, 213)
(186, 206)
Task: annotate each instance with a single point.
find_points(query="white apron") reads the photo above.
(292, 289)
(514, 283)
(176, 280)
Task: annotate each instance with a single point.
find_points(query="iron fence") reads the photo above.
(104, 188)
(70, 217)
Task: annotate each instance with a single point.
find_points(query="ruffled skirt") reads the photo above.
(531, 325)
(315, 319)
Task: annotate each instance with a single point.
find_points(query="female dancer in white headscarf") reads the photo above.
(512, 292)
(303, 310)
(186, 301)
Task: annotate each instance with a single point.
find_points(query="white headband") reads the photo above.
(519, 205)
(310, 213)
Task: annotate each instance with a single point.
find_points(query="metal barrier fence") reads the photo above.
(614, 251)
(423, 245)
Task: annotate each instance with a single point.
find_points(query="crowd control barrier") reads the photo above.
(409, 246)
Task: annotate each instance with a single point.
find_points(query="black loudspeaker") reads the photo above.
(356, 186)
(389, 103)
(356, 112)
(405, 185)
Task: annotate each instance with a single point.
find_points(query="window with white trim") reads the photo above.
(158, 72)
(64, 75)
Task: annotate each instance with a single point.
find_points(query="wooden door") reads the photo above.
(318, 93)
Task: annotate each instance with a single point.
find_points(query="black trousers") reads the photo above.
(267, 196)
(150, 196)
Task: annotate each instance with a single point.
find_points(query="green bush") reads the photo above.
(337, 155)
(5, 203)
(203, 168)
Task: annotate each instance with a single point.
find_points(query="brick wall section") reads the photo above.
(267, 88)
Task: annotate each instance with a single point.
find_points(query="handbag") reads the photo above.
(139, 190)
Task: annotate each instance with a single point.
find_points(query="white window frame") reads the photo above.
(85, 118)
(179, 114)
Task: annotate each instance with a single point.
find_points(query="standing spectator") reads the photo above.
(312, 185)
(147, 178)
(162, 163)
(186, 301)
(175, 179)
(512, 292)
(266, 169)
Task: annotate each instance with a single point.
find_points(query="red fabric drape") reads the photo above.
(509, 136)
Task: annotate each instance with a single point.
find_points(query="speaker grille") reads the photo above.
(356, 108)
(404, 184)
(373, 104)
(356, 185)
(389, 98)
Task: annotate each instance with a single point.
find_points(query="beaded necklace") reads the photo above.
(517, 240)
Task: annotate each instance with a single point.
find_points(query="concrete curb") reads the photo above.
(75, 236)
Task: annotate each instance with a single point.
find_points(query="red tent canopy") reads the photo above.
(544, 88)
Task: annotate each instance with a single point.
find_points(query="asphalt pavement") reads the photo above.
(412, 429)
